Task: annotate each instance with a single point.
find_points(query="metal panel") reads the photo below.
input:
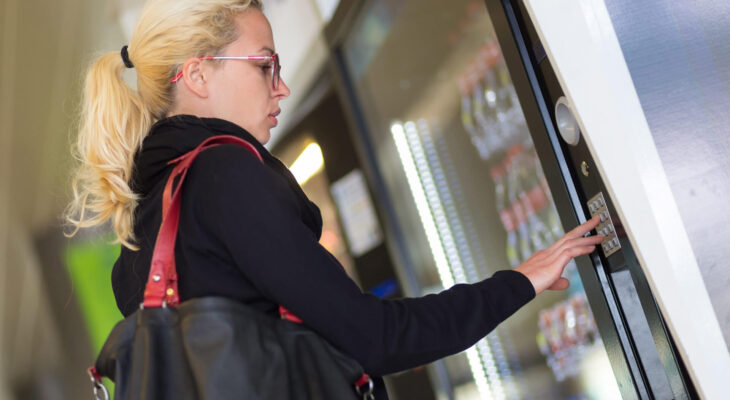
(678, 57)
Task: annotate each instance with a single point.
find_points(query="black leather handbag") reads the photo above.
(213, 347)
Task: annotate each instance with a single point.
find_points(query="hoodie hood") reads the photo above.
(172, 137)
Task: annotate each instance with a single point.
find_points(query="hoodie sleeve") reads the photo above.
(253, 213)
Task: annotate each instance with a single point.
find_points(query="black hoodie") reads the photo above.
(248, 232)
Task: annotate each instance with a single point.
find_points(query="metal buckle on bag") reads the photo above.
(100, 391)
(164, 304)
(368, 393)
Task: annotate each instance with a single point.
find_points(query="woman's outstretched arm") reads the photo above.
(254, 214)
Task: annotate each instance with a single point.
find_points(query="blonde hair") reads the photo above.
(115, 118)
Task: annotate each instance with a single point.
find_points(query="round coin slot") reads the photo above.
(567, 124)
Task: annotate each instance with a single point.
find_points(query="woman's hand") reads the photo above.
(544, 268)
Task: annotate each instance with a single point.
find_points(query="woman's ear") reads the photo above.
(195, 77)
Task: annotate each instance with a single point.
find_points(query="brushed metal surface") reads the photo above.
(678, 55)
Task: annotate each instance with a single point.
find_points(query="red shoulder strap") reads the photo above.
(162, 280)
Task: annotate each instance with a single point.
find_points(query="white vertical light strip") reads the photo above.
(444, 194)
(432, 174)
(470, 248)
(501, 363)
(434, 202)
(478, 372)
(490, 368)
(581, 43)
(420, 190)
(424, 212)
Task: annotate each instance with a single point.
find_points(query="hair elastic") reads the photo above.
(125, 58)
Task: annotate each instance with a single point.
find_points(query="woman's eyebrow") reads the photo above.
(269, 49)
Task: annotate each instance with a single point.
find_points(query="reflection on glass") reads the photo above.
(440, 222)
(469, 190)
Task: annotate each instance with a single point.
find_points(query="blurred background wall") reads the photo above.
(45, 46)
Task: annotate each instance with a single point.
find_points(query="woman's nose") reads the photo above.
(283, 90)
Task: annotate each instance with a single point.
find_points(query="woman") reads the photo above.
(247, 231)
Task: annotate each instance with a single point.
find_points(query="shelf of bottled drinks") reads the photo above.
(491, 116)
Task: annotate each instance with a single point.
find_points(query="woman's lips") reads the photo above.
(273, 116)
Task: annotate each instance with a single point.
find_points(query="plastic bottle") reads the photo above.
(509, 102)
(484, 111)
(467, 119)
(542, 196)
(540, 235)
(505, 214)
(513, 192)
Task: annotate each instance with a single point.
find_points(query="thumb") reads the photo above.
(560, 284)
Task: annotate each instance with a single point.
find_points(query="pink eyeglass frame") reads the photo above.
(275, 78)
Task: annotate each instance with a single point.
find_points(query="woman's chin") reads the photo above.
(263, 136)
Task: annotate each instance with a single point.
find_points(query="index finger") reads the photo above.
(584, 228)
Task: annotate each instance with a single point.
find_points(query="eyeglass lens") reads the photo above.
(276, 72)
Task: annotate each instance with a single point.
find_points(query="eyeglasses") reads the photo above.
(273, 65)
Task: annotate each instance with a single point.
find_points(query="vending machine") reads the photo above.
(491, 129)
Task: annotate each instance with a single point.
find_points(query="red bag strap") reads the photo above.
(161, 286)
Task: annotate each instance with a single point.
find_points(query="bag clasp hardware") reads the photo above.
(164, 305)
(100, 391)
(367, 394)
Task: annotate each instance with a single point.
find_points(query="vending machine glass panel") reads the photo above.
(469, 191)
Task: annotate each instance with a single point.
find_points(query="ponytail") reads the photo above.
(114, 121)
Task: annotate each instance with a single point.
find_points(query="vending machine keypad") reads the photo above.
(597, 206)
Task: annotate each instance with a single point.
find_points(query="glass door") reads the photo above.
(468, 190)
